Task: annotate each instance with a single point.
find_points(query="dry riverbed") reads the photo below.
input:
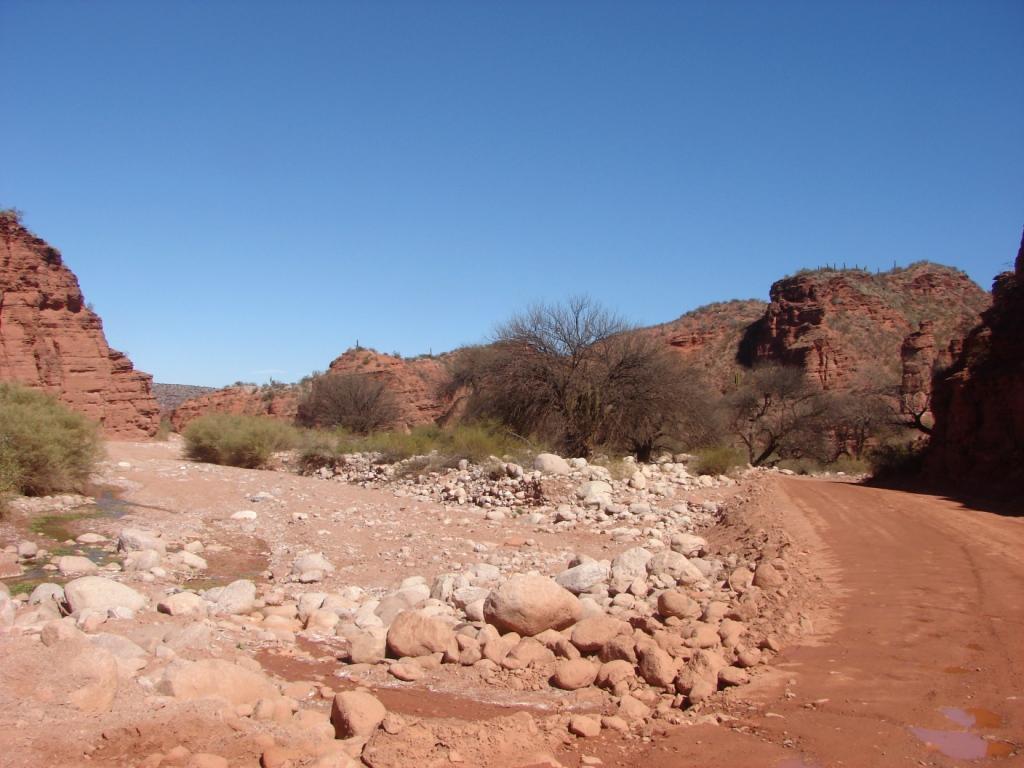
(485, 615)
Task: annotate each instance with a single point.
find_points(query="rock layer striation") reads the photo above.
(51, 340)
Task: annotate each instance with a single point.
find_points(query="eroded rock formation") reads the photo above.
(978, 440)
(846, 328)
(51, 340)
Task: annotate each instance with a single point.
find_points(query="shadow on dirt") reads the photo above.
(1007, 503)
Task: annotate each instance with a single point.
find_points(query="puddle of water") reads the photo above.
(969, 717)
(59, 527)
(962, 745)
(965, 744)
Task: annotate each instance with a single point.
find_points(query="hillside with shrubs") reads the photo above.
(820, 376)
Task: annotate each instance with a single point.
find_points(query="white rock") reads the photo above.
(238, 597)
(311, 561)
(95, 593)
(551, 464)
(72, 565)
(130, 539)
(582, 577)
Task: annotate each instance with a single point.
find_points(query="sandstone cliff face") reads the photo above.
(419, 385)
(246, 400)
(50, 340)
(978, 440)
(846, 328)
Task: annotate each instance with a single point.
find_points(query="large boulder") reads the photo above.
(356, 714)
(95, 593)
(573, 674)
(582, 577)
(689, 544)
(131, 539)
(236, 598)
(551, 464)
(629, 566)
(767, 576)
(675, 566)
(595, 493)
(217, 679)
(310, 563)
(528, 604)
(182, 604)
(414, 633)
(593, 633)
(74, 565)
(673, 603)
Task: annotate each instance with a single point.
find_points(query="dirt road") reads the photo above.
(926, 663)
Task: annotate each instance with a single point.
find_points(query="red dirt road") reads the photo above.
(929, 631)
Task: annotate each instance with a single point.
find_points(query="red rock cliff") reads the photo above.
(846, 328)
(51, 340)
(978, 440)
(245, 399)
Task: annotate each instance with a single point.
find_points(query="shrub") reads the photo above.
(44, 447)
(474, 441)
(354, 401)
(896, 460)
(237, 441)
(718, 461)
(577, 375)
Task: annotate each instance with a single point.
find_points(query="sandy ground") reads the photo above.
(913, 651)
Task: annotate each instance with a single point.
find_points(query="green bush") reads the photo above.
(719, 460)
(473, 441)
(44, 447)
(237, 441)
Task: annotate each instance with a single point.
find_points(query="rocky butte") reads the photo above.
(51, 340)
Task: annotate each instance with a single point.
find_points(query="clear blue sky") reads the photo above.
(246, 188)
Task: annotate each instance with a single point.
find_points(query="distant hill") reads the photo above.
(170, 396)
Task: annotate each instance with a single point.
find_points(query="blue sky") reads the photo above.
(245, 189)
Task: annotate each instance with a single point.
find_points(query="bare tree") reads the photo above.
(578, 375)
(656, 400)
(776, 413)
(355, 401)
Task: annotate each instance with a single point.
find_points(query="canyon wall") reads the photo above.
(978, 440)
(51, 340)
